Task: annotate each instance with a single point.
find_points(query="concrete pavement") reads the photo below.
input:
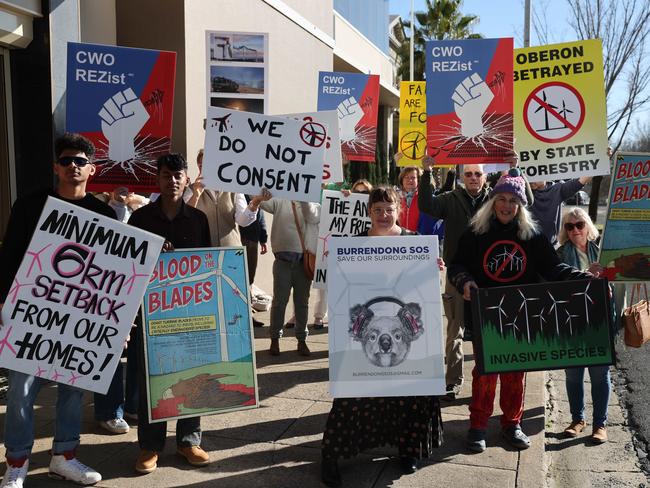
(278, 445)
(576, 462)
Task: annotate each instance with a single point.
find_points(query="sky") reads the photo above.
(503, 18)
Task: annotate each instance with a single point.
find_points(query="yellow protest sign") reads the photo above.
(560, 113)
(412, 122)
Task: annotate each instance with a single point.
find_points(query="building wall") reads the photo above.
(294, 59)
(98, 22)
(31, 96)
(318, 12)
(144, 24)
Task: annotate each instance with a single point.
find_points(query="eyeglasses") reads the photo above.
(469, 174)
(570, 225)
(380, 211)
(77, 160)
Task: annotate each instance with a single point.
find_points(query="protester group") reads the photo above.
(468, 208)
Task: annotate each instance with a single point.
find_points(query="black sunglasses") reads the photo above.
(570, 225)
(77, 160)
(468, 174)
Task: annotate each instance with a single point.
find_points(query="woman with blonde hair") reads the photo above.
(578, 248)
(503, 225)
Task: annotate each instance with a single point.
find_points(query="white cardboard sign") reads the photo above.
(339, 216)
(245, 152)
(74, 298)
(333, 167)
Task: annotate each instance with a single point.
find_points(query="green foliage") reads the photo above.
(441, 20)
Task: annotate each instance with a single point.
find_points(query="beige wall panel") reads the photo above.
(98, 22)
(143, 23)
(318, 12)
(295, 56)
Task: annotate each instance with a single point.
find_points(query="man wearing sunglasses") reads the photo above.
(72, 167)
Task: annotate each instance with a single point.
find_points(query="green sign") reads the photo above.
(542, 326)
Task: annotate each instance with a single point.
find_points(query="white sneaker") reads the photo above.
(67, 467)
(116, 426)
(15, 476)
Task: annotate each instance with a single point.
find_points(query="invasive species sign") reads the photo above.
(542, 326)
(327, 119)
(560, 114)
(469, 100)
(412, 122)
(74, 298)
(245, 152)
(197, 330)
(355, 97)
(122, 99)
(385, 316)
(625, 247)
(339, 216)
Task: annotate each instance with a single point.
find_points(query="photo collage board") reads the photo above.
(237, 71)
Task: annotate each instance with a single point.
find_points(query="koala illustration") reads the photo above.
(386, 340)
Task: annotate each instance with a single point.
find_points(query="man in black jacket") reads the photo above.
(182, 226)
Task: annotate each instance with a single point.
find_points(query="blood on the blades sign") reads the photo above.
(469, 100)
(560, 115)
(122, 99)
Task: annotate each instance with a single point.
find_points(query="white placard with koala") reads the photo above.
(385, 317)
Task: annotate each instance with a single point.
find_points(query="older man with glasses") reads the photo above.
(456, 208)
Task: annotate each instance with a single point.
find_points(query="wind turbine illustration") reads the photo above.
(414, 144)
(542, 107)
(524, 306)
(541, 318)
(221, 277)
(568, 321)
(501, 312)
(587, 298)
(564, 111)
(514, 327)
(553, 308)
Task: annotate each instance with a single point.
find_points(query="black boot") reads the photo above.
(409, 464)
(329, 472)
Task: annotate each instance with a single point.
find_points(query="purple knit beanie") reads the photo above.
(513, 183)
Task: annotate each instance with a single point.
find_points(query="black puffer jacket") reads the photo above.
(500, 258)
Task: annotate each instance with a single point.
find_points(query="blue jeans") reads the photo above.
(600, 388)
(19, 420)
(113, 404)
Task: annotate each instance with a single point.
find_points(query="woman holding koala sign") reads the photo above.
(503, 225)
(413, 424)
